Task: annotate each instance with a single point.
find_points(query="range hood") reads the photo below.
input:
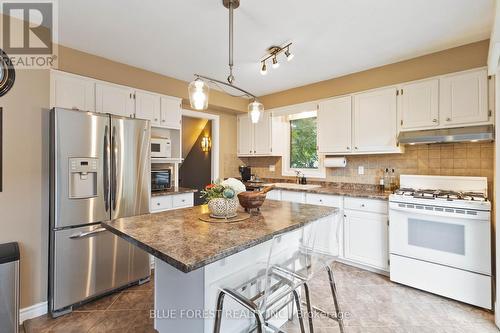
(460, 134)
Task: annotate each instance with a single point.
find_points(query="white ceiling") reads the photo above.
(331, 37)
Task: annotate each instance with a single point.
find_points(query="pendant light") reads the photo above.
(199, 90)
(198, 94)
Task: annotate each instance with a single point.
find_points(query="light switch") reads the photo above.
(361, 170)
(272, 168)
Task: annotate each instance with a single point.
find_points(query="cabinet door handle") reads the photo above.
(356, 148)
(156, 119)
(434, 120)
(448, 119)
(362, 205)
(157, 203)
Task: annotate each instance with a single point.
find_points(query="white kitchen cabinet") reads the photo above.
(173, 201)
(115, 99)
(71, 91)
(274, 195)
(375, 121)
(366, 237)
(335, 125)
(171, 112)
(147, 106)
(262, 135)
(262, 139)
(464, 98)
(420, 105)
(245, 136)
(293, 196)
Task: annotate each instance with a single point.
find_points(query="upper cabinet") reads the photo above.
(78, 92)
(261, 139)
(375, 127)
(72, 91)
(420, 104)
(464, 98)
(114, 99)
(171, 114)
(335, 125)
(147, 106)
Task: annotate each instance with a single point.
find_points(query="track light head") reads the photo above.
(289, 56)
(276, 64)
(263, 68)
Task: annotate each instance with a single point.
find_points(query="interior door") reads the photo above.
(114, 99)
(335, 125)
(130, 167)
(464, 98)
(375, 121)
(420, 105)
(245, 136)
(77, 134)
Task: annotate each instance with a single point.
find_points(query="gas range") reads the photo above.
(458, 192)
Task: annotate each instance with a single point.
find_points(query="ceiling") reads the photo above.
(330, 38)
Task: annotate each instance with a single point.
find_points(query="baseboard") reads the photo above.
(364, 267)
(33, 311)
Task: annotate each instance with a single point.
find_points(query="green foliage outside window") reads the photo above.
(303, 143)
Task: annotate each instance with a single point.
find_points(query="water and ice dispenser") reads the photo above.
(83, 178)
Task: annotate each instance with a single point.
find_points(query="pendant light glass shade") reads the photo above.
(198, 94)
(255, 110)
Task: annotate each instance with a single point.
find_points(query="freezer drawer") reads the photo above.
(90, 261)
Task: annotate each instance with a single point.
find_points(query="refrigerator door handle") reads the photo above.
(113, 168)
(88, 233)
(106, 169)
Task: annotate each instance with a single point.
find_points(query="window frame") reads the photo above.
(286, 170)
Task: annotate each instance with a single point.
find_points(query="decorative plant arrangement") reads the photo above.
(221, 197)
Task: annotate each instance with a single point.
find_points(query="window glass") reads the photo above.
(303, 144)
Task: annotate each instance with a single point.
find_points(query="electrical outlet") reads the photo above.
(361, 170)
(272, 168)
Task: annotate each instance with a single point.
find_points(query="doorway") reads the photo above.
(200, 151)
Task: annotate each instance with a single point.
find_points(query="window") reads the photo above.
(303, 143)
(302, 152)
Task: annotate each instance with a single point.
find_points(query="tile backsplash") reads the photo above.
(450, 159)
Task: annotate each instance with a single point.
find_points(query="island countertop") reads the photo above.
(182, 240)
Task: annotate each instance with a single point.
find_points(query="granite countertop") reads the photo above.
(344, 189)
(180, 239)
(173, 191)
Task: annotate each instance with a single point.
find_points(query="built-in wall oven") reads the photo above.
(161, 179)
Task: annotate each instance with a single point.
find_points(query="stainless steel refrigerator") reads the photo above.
(99, 170)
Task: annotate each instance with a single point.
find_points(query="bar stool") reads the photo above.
(269, 290)
(311, 259)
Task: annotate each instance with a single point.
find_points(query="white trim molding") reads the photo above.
(33, 311)
(215, 137)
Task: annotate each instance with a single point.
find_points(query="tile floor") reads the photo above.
(373, 303)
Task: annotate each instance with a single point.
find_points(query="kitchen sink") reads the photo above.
(293, 186)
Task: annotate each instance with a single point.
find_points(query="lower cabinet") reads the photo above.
(366, 238)
(293, 196)
(173, 201)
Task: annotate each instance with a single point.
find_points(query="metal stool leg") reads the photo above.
(335, 299)
(299, 311)
(245, 303)
(309, 309)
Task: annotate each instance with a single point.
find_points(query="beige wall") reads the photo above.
(451, 60)
(24, 202)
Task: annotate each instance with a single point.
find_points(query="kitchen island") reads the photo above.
(193, 256)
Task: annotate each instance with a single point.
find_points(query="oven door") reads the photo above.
(456, 240)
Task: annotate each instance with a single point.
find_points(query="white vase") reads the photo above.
(221, 207)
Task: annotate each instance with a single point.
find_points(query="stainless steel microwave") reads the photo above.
(161, 148)
(161, 180)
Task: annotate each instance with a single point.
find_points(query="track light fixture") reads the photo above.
(273, 53)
